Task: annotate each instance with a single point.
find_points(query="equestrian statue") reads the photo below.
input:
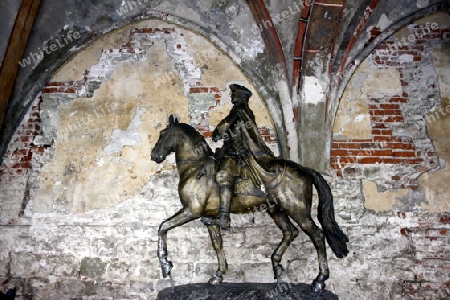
(242, 175)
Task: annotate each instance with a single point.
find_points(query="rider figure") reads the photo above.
(230, 157)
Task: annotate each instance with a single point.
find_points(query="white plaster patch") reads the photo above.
(384, 22)
(406, 58)
(129, 137)
(110, 59)
(358, 81)
(360, 118)
(288, 113)
(313, 91)
(99, 161)
(256, 47)
(382, 82)
(183, 62)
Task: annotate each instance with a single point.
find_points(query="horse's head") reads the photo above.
(166, 143)
(187, 143)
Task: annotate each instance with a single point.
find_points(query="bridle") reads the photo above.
(197, 145)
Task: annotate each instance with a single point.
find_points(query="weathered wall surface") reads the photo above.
(228, 24)
(81, 202)
(390, 157)
(79, 166)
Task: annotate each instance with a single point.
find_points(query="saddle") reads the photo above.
(245, 185)
(250, 182)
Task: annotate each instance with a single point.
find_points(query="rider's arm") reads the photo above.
(225, 124)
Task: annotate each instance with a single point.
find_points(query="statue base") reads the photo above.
(244, 291)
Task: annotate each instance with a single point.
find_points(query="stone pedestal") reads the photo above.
(244, 291)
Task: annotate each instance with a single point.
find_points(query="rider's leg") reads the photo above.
(225, 181)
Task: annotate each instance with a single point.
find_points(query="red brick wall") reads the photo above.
(348, 157)
(431, 268)
(17, 166)
(383, 147)
(429, 235)
(82, 88)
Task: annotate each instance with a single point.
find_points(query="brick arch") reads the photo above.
(41, 81)
(344, 75)
(133, 51)
(398, 140)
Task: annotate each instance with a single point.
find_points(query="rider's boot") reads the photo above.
(223, 218)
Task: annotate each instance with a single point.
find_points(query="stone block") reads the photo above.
(147, 269)
(141, 287)
(205, 270)
(257, 272)
(92, 267)
(104, 246)
(118, 269)
(116, 290)
(59, 289)
(261, 235)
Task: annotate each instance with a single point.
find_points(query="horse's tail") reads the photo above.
(334, 235)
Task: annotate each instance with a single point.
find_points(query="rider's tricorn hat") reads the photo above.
(240, 90)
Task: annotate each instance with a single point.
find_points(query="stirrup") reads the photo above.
(222, 220)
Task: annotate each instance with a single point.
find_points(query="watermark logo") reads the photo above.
(280, 289)
(398, 44)
(49, 47)
(200, 59)
(284, 15)
(128, 7)
(437, 114)
(226, 136)
(88, 120)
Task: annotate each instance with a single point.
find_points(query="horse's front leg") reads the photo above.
(181, 217)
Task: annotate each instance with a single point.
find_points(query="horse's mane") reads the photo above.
(195, 135)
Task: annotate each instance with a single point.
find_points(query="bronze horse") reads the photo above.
(288, 191)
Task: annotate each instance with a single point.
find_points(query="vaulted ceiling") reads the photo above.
(299, 54)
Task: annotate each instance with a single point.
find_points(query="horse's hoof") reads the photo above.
(216, 279)
(278, 271)
(166, 268)
(317, 286)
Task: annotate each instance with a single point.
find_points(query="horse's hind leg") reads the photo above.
(316, 235)
(216, 239)
(290, 232)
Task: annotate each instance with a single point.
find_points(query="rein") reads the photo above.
(277, 181)
(187, 161)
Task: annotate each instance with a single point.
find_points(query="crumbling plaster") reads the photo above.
(105, 247)
(94, 20)
(228, 24)
(391, 16)
(103, 143)
(435, 184)
(426, 121)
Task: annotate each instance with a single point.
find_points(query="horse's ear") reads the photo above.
(173, 119)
